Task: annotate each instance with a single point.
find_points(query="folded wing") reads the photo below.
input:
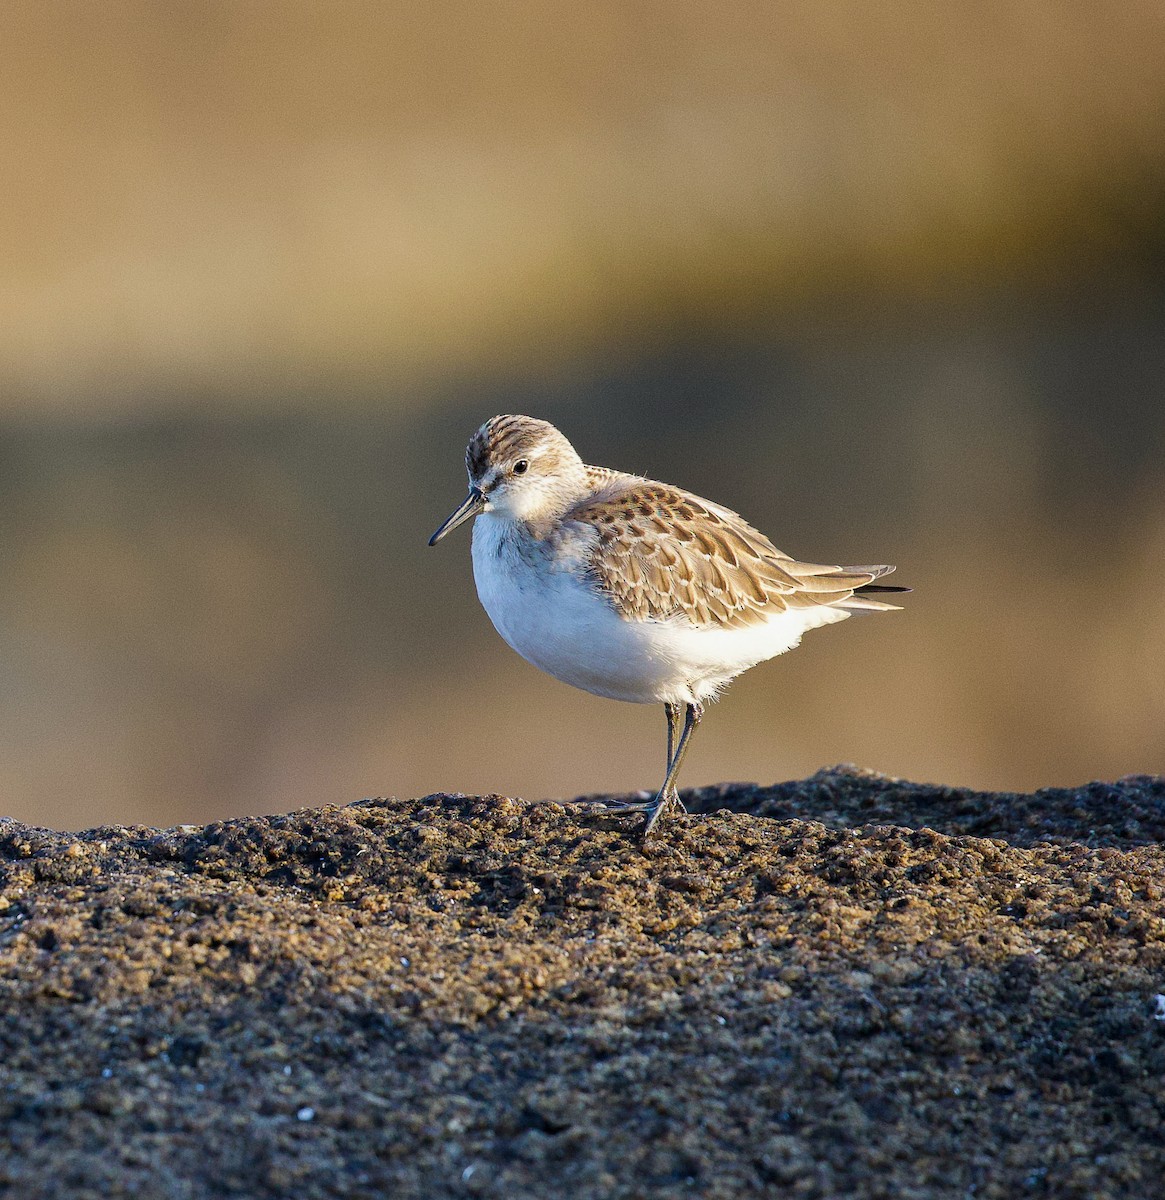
(662, 552)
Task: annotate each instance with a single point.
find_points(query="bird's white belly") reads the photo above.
(550, 613)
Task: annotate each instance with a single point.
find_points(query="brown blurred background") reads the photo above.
(886, 278)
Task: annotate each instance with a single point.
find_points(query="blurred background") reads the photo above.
(888, 279)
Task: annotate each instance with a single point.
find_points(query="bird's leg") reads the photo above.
(692, 715)
(673, 736)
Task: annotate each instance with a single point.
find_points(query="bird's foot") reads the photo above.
(656, 808)
(612, 805)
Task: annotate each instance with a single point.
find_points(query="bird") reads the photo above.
(633, 589)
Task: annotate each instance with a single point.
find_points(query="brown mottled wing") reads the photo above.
(662, 552)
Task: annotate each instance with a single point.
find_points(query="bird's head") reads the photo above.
(520, 468)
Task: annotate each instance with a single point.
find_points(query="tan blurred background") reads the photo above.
(886, 278)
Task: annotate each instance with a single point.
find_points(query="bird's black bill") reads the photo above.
(472, 505)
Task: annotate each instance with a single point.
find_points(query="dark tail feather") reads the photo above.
(880, 587)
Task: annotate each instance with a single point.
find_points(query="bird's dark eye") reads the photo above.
(521, 467)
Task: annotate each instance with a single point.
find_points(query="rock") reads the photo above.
(855, 987)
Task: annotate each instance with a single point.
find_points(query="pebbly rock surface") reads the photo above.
(844, 986)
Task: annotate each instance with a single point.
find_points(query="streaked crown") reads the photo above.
(508, 437)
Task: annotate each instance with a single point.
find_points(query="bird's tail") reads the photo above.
(861, 600)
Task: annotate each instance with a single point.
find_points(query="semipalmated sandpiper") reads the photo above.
(634, 589)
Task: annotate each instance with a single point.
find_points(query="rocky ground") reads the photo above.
(845, 986)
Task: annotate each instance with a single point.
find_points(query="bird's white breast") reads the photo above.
(543, 604)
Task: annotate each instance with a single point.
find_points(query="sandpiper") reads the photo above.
(634, 589)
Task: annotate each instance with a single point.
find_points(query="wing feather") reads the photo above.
(660, 553)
